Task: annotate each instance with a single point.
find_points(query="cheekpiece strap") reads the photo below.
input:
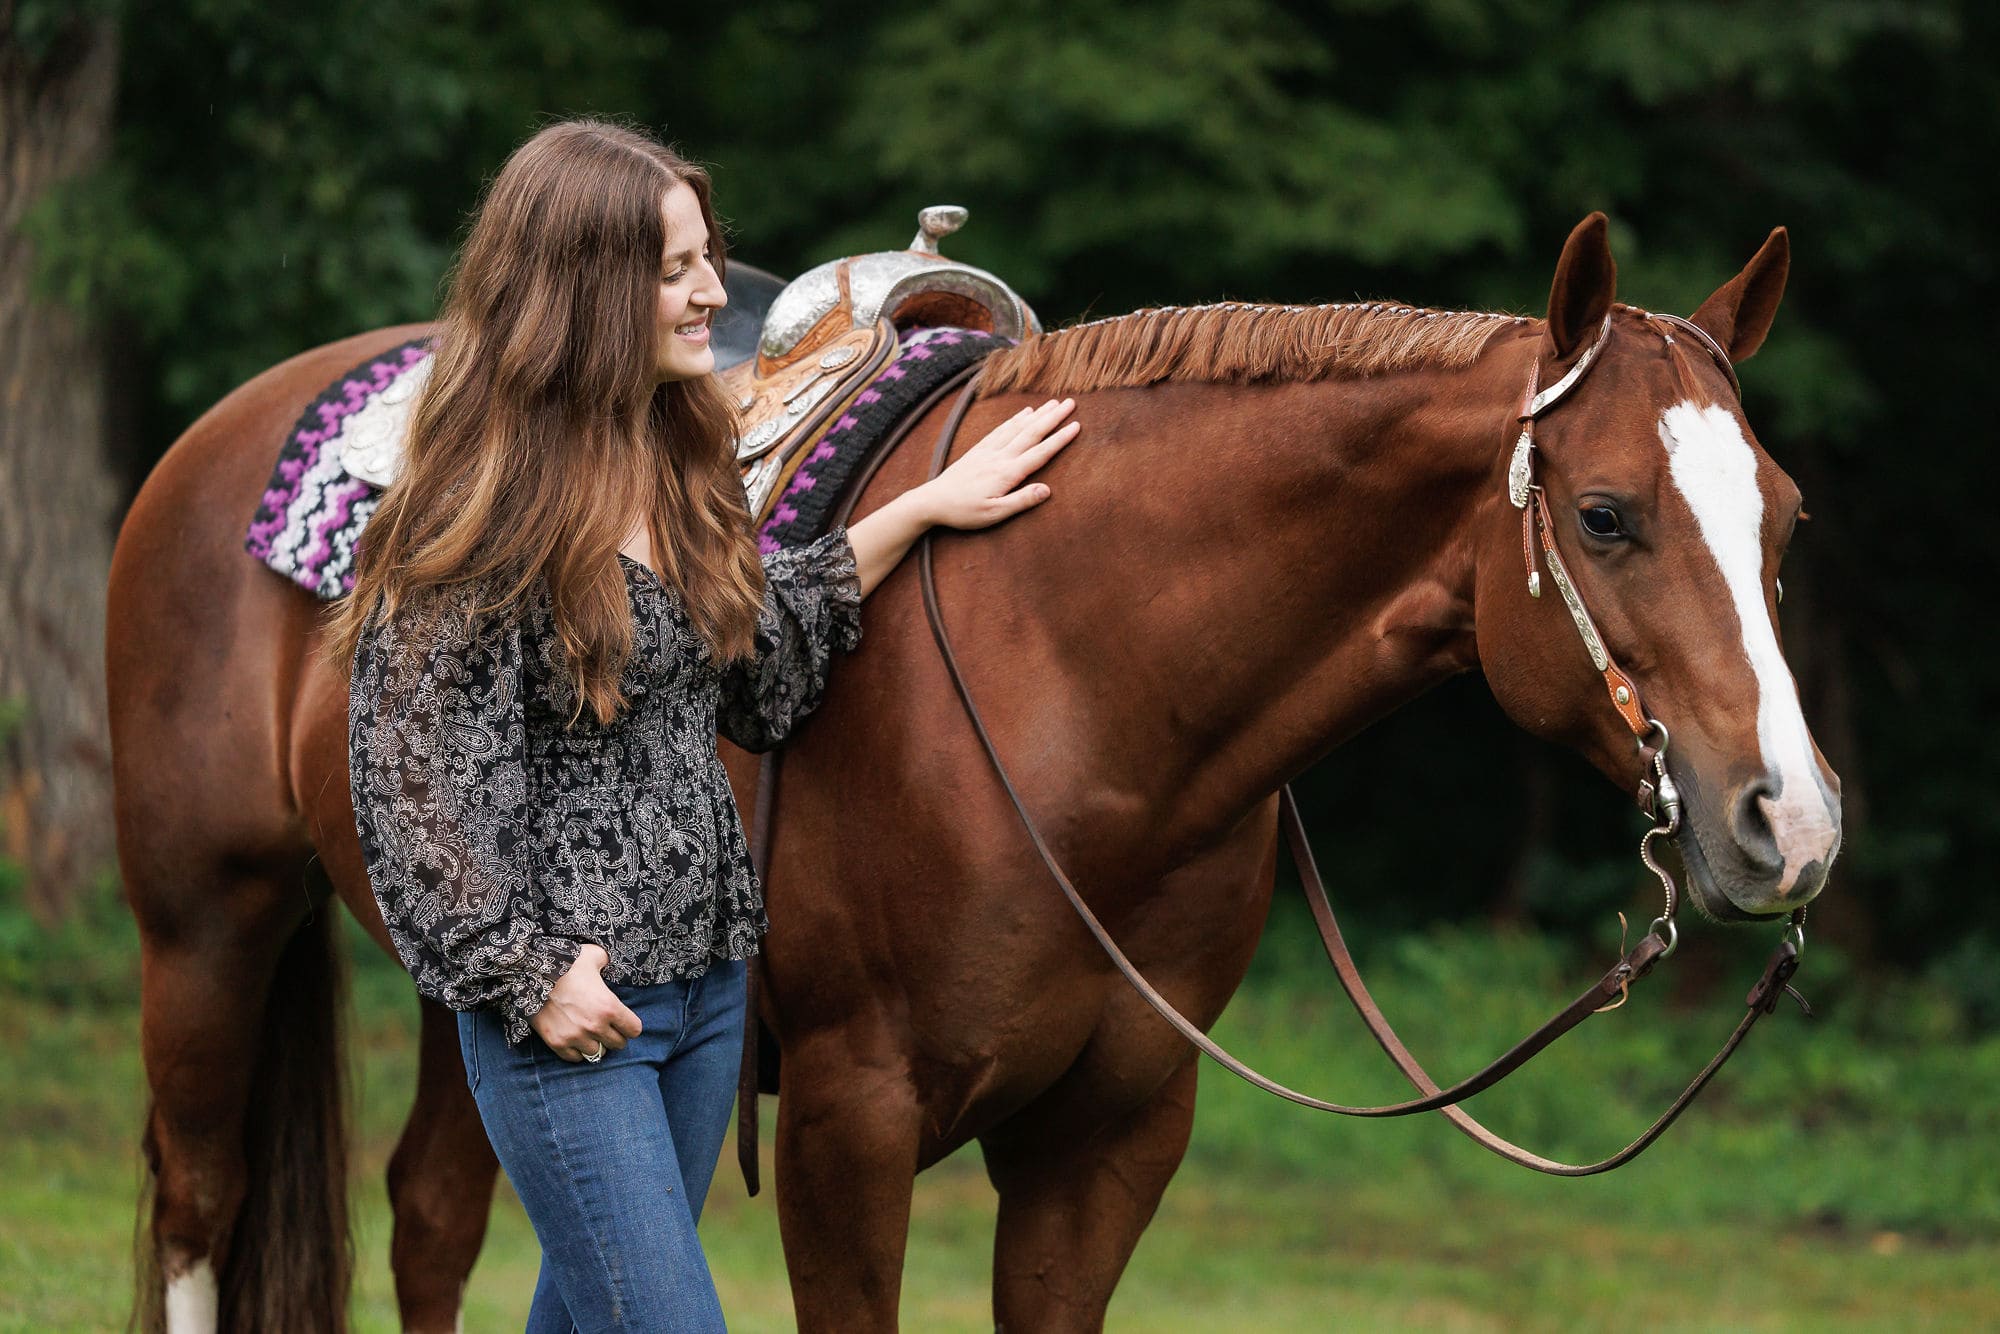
(1624, 692)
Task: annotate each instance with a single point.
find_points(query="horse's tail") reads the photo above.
(290, 1258)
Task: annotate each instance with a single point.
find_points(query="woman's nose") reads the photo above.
(713, 294)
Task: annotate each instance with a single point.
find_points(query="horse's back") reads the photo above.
(204, 648)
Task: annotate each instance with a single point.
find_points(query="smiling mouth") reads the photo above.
(696, 332)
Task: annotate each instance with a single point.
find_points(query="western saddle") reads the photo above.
(834, 328)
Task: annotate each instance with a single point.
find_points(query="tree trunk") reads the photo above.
(59, 494)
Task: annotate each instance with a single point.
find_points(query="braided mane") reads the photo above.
(1236, 342)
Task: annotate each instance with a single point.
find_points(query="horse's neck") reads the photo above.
(1285, 564)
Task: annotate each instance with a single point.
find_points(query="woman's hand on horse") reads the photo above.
(582, 1015)
(984, 485)
(982, 488)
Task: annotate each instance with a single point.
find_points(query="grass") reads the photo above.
(1841, 1174)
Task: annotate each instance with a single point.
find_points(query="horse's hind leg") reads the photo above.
(1073, 1204)
(440, 1183)
(206, 1039)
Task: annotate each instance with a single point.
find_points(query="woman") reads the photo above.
(558, 605)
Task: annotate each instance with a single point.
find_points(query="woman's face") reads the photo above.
(689, 291)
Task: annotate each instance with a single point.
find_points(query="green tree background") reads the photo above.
(287, 175)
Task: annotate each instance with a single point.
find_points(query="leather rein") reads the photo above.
(1656, 796)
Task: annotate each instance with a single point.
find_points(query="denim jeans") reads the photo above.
(612, 1160)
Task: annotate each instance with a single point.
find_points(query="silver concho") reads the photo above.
(1519, 470)
(759, 437)
(372, 439)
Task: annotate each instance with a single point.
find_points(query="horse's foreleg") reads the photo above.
(1082, 1168)
(847, 1159)
(440, 1183)
(1073, 1203)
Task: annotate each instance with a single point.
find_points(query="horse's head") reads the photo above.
(1671, 522)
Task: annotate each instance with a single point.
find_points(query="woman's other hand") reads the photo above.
(582, 1015)
(984, 485)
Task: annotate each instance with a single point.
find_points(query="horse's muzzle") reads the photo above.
(1759, 853)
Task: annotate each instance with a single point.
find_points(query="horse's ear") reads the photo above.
(1586, 281)
(1740, 313)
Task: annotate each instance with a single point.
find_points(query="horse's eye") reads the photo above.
(1601, 521)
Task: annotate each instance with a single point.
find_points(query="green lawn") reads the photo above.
(1836, 1176)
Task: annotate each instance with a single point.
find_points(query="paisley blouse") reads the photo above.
(498, 842)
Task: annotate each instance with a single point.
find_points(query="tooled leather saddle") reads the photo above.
(834, 328)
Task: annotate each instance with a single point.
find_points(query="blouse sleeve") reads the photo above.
(437, 768)
(812, 606)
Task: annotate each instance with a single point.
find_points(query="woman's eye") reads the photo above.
(678, 274)
(1601, 521)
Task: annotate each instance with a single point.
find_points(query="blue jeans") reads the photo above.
(612, 1160)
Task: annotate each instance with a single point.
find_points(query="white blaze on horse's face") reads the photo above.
(1715, 470)
(192, 1301)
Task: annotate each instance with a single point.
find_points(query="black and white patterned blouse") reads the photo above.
(498, 843)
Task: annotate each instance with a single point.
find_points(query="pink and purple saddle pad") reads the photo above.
(309, 523)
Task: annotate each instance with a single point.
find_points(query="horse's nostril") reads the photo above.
(1751, 825)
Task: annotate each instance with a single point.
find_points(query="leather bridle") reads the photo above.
(1656, 794)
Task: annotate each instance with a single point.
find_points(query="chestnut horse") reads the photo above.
(1281, 524)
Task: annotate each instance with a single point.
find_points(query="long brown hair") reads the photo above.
(542, 427)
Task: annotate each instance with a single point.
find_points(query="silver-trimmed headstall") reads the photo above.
(1706, 338)
(1521, 468)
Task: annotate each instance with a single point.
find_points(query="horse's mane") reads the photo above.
(1236, 342)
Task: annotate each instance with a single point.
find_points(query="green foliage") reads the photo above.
(88, 957)
(1879, 1113)
(1847, 1203)
(45, 32)
(283, 177)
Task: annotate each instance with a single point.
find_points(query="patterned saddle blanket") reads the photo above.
(331, 467)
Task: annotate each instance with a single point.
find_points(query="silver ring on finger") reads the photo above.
(596, 1056)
